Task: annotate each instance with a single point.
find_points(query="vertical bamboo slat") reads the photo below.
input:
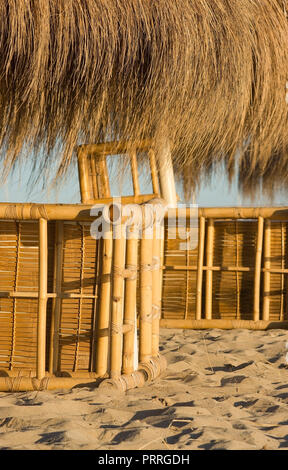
(94, 177)
(237, 273)
(156, 292)
(118, 262)
(102, 176)
(145, 333)
(56, 305)
(267, 266)
(134, 171)
(97, 283)
(209, 273)
(103, 323)
(83, 176)
(154, 174)
(257, 273)
(80, 301)
(282, 275)
(15, 300)
(187, 252)
(199, 282)
(42, 300)
(130, 300)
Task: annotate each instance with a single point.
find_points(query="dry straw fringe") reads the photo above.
(84, 71)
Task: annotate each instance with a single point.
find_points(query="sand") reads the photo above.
(222, 390)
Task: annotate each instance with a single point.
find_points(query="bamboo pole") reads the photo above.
(237, 273)
(103, 323)
(81, 212)
(32, 373)
(223, 324)
(42, 301)
(118, 263)
(166, 173)
(267, 266)
(57, 301)
(28, 384)
(199, 283)
(244, 269)
(257, 272)
(83, 175)
(187, 253)
(15, 285)
(154, 173)
(273, 213)
(209, 273)
(130, 301)
(145, 333)
(102, 176)
(134, 171)
(95, 187)
(156, 291)
(282, 276)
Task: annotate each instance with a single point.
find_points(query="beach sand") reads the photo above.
(221, 390)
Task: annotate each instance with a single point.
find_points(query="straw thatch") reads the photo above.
(208, 74)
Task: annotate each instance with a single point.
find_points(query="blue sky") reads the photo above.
(19, 188)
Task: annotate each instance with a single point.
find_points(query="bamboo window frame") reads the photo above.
(98, 182)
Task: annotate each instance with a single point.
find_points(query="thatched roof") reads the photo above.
(210, 74)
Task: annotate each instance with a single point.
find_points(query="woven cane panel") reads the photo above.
(19, 258)
(79, 276)
(278, 282)
(179, 286)
(234, 246)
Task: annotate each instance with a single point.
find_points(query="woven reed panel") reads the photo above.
(278, 282)
(179, 287)
(234, 245)
(79, 276)
(19, 258)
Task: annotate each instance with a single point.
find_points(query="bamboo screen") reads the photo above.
(19, 261)
(240, 273)
(68, 301)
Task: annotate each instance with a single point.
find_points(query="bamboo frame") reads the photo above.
(102, 176)
(118, 266)
(223, 324)
(83, 175)
(115, 325)
(257, 272)
(134, 171)
(200, 268)
(282, 277)
(113, 356)
(209, 272)
(56, 306)
(42, 300)
(156, 290)
(154, 173)
(130, 302)
(95, 185)
(96, 194)
(82, 212)
(267, 273)
(103, 323)
(145, 331)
